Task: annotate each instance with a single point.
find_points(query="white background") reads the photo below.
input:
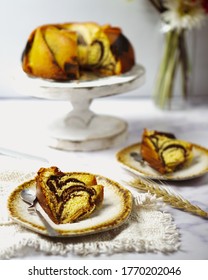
(138, 19)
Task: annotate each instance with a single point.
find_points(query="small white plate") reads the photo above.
(130, 158)
(116, 208)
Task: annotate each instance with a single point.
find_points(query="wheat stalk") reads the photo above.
(168, 196)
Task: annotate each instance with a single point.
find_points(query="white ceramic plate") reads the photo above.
(115, 210)
(130, 159)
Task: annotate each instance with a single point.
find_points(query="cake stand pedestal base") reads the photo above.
(87, 133)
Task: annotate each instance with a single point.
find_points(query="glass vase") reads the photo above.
(172, 82)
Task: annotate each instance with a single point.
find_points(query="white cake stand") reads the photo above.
(81, 129)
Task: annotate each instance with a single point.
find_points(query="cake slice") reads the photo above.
(164, 152)
(67, 197)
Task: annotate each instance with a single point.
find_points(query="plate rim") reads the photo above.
(148, 175)
(107, 225)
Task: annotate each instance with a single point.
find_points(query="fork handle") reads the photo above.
(51, 231)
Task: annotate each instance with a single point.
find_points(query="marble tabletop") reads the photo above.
(23, 123)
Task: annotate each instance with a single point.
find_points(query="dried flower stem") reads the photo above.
(185, 63)
(168, 196)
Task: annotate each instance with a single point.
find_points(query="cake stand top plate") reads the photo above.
(90, 86)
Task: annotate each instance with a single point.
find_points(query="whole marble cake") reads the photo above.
(62, 51)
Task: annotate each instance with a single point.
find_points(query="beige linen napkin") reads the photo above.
(148, 229)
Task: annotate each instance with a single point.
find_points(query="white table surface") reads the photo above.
(23, 125)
